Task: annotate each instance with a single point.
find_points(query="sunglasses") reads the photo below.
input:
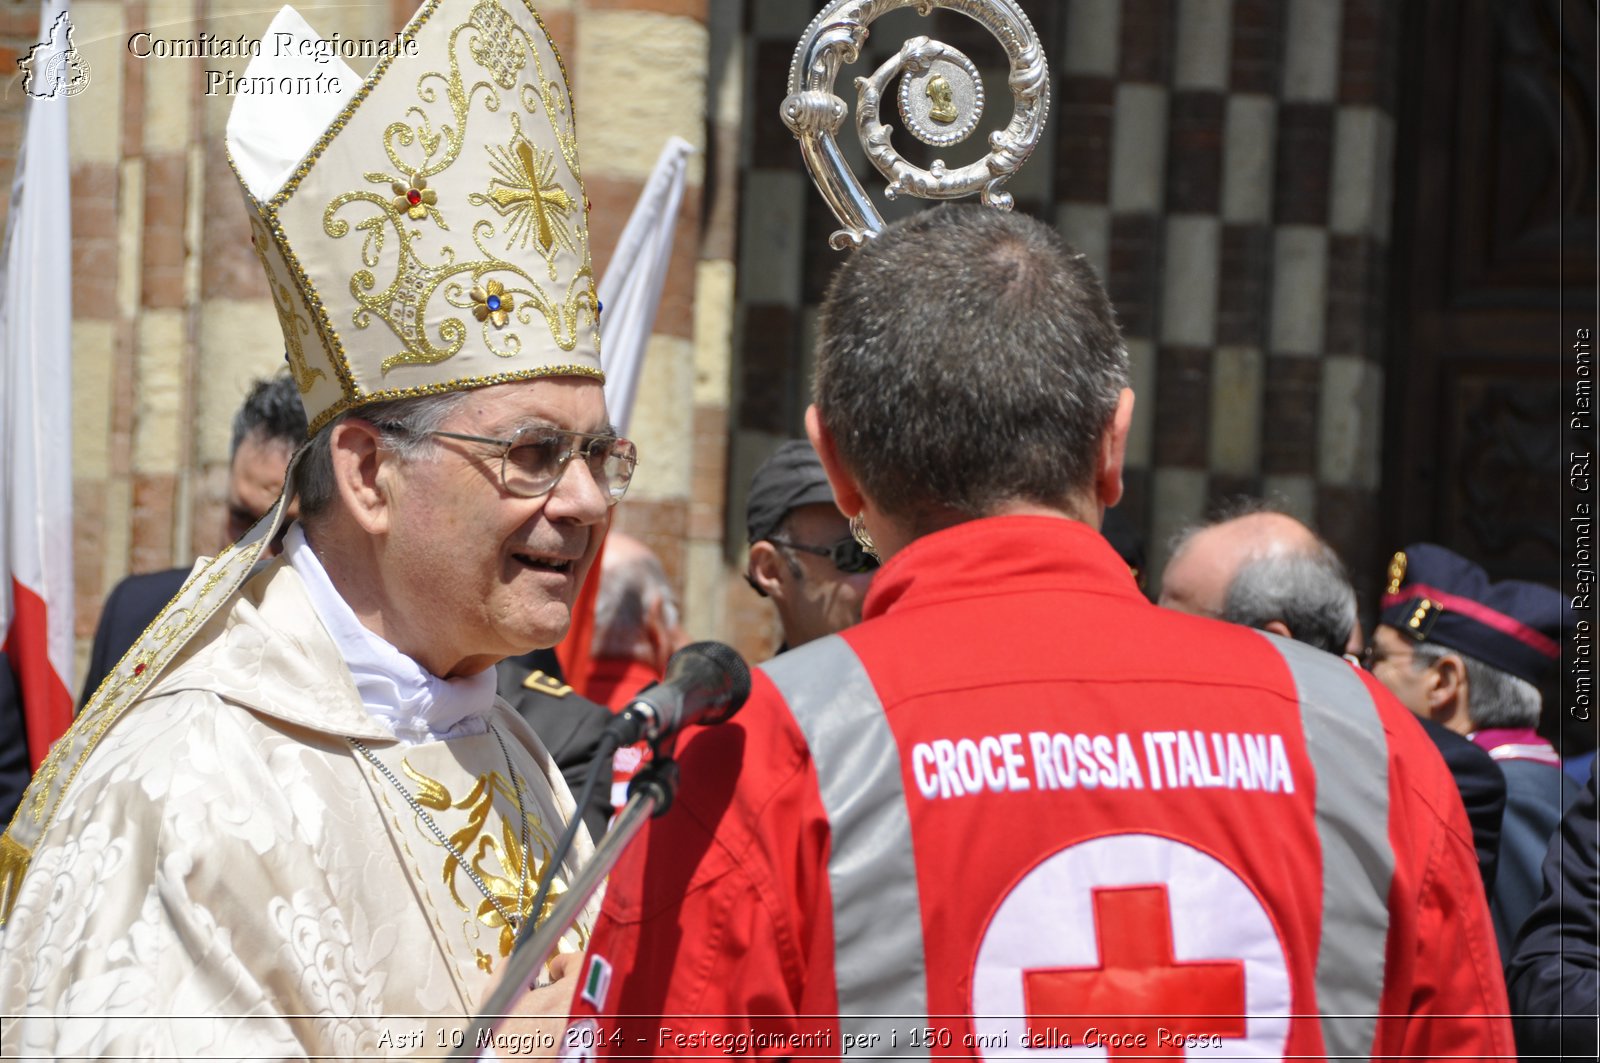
(846, 554)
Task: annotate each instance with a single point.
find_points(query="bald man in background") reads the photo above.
(1264, 569)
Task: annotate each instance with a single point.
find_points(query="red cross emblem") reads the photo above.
(1139, 984)
(1131, 936)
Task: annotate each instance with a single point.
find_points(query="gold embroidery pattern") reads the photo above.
(498, 50)
(530, 196)
(579, 301)
(497, 857)
(413, 199)
(492, 303)
(293, 326)
(525, 191)
(397, 814)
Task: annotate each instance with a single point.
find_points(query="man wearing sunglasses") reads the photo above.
(802, 554)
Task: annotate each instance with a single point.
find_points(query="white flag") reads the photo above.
(36, 393)
(630, 292)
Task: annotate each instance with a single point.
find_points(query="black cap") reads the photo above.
(792, 477)
(1436, 595)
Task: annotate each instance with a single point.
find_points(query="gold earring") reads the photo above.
(858, 528)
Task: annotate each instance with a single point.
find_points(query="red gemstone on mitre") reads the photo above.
(138, 669)
(413, 197)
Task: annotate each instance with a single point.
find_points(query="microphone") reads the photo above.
(706, 683)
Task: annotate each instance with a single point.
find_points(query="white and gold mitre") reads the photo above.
(425, 229)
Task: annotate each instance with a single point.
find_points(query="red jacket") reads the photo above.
(1020, 807)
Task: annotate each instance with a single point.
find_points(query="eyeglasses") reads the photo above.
(532, 461)
(846, 554)
(1371, 657)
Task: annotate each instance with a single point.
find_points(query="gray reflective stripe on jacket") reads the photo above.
(879, 964)
(1350, 756)
(872, 869)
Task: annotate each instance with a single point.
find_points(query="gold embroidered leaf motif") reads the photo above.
(508, 856)
(430, 794)
(525, 190)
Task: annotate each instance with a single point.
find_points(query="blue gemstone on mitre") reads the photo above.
(494, 302)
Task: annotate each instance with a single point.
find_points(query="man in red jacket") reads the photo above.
(1018, 808)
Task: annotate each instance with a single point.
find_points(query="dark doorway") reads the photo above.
(1495, 230)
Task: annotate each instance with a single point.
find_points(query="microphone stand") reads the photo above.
(649, 794)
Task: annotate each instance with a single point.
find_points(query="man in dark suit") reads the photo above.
(1469, 653)
(569, 725)
(14, 772)
(1554, 971)
(266, 431)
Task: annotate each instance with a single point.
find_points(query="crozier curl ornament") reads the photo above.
(940, 99)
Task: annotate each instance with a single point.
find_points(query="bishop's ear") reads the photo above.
(361, 471)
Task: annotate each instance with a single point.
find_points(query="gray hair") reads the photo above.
(404, 424)
(1308, 591)
(967, 358)
(629, 590)
(1494, 698)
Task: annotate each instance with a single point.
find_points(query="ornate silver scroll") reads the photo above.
(940, 100)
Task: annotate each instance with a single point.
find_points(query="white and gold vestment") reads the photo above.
(227, 878)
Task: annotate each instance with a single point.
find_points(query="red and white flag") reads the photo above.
(630, 295)
(36, 588)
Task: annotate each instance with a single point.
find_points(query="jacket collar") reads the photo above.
(973, 557)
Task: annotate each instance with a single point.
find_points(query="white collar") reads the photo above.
(416, 704)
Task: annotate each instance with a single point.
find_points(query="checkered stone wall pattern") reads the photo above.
(1226, 166)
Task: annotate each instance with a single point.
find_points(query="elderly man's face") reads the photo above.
(1392, 659)
(493, 574)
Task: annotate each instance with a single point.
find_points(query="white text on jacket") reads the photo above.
(1046, 760)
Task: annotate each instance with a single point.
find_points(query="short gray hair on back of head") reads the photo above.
(628, 591)
(1494, 698)
(1307, 590)
(404, 423)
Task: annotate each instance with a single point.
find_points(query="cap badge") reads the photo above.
(1422, 619)
(1397, 571)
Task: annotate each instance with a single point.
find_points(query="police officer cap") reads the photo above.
(1436, 595)
(792, 477)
